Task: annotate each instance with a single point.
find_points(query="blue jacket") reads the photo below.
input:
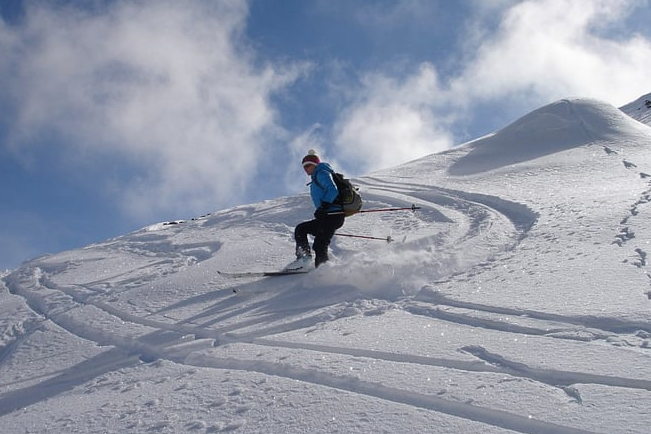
(323, 188)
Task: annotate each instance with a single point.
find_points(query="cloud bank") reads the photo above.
(546, 49)
(392, 121)
(169, 89)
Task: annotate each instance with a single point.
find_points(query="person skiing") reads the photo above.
(328, 216)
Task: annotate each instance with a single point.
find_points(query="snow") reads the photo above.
(517, 299)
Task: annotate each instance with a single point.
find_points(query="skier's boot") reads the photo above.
(303, 260)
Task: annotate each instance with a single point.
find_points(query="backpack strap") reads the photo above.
(337, 200)
(316, 181)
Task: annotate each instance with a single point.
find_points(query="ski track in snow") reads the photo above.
(492, 222)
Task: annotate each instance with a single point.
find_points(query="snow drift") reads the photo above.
(550, 129)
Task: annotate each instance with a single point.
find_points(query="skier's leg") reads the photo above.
(325, 232)
(300, 236)
(303, 253)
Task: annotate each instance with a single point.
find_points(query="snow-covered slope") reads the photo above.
(517, 299)
(640, 109)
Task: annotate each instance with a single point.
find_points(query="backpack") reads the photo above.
(349, 198)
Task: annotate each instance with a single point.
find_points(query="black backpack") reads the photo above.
(349, 198)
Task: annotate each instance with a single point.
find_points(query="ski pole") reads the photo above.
(408, 208)
(387, 239)
(411, 208)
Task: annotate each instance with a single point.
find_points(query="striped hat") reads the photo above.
(311, 158)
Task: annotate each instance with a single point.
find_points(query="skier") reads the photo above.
(328, 216)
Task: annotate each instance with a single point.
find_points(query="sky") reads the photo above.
(118, 114)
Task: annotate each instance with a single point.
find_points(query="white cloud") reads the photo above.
(311, 138)
(393, 121)
(167, 87)
(549, 49)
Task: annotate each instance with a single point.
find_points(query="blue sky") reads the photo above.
(119, 114)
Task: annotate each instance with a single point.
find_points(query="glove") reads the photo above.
(320, 213)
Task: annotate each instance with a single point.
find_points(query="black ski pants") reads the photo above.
(323, 230)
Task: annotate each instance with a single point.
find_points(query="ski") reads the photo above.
(243, 274)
